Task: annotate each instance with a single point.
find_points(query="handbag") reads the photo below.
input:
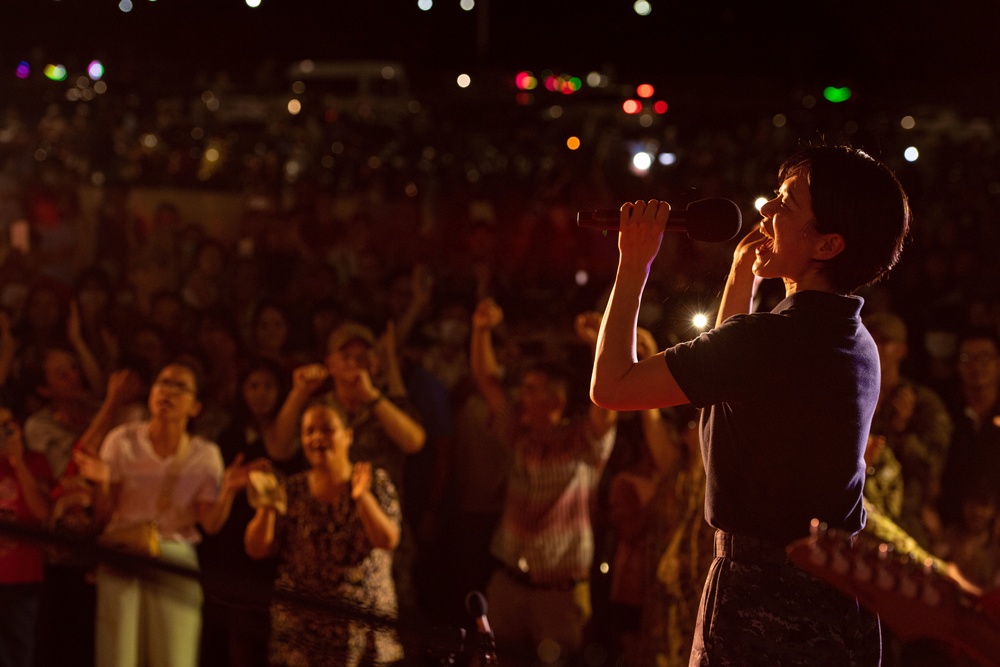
(140, 538)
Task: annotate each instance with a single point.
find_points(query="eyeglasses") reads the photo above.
(173, 385)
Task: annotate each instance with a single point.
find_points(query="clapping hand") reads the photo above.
(361, 479)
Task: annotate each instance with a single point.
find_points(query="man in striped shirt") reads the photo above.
(539, 596)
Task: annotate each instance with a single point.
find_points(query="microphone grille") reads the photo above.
(714, 219)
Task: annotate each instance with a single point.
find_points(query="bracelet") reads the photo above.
(372, 403)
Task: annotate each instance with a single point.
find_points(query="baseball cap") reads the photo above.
(349, 332)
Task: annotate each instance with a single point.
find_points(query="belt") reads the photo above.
(747, 549)
(524, 579)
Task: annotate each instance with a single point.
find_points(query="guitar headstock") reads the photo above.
(914, 596)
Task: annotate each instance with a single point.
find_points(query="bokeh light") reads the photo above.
(294, 107)
(573, 143)
(642, 161)
(23, 70)
(125, 6)
(631, 106)
(525, 81)
(644, 90)
(95, 70)
(779, 120)
(425, 5)
(907, 122)
(467, 5)
(667, 159)
(253, 3)
(837, 94)
(55, 72)
(642, 7)
(660, 107)
(463, 80)
(911, 154)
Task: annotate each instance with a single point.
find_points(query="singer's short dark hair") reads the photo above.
(858, 197)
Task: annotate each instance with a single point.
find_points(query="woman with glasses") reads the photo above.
(157, 488)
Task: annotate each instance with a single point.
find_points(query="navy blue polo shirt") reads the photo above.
(788, 399)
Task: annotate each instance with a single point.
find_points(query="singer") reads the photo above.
(787, 397)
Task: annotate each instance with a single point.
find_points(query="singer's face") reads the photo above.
(790, 233)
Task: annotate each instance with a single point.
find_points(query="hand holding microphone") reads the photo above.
(713, 220)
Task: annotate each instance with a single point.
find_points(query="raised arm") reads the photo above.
(88, 363)
(401, 427)
(279, 439)
(737, 296)
(599, 420)
(36, 497)
(620, 381)
(482, 356)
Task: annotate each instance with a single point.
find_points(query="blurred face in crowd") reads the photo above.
(978, 363)
(260, 392)
(271, 330)
(325, 437)
(346, 363)
(539, 402)
(62, 375)
(174, 396)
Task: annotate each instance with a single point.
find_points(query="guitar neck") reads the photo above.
(915, 598)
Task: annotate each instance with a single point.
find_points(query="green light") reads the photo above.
(55, 72)
(837, 95)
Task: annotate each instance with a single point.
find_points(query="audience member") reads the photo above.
(975, 409)
(334, 538)
(25, 481)
(916, 427)
(539, 596)
(157, 483)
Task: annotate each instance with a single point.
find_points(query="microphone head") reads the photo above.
(475, 604)
(713, 220)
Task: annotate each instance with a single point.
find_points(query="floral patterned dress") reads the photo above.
(326, 556)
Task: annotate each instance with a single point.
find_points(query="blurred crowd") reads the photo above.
(402, 231)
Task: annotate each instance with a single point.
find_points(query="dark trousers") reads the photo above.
(19, 605)
(759, 609)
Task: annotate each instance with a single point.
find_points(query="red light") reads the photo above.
(644, 90)
(660, 106)
(523, 99)
(632, 106)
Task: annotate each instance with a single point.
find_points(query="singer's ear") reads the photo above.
(829, 246)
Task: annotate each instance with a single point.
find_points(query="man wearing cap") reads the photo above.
(385, 424)
(915, 425)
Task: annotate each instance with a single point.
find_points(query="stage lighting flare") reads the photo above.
(700, 320)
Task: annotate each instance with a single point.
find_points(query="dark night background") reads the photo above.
(917, 51)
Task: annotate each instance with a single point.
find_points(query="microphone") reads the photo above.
(475, 604)
(714, 219)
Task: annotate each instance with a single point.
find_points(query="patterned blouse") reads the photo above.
(326, 556)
